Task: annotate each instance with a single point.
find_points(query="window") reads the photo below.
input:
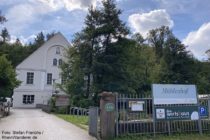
(49, 78)
(58, 50)
(60, 62)
(30, 78)
(28, 99)
(54, 62)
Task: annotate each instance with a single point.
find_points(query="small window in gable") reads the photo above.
(54, 62)
(58, 50)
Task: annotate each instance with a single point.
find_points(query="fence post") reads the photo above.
(153, 115)
(199, 116)
(78, 111)
(107, 115)
(169, 129)
(117, 114)
(209, 106)
(93, 121)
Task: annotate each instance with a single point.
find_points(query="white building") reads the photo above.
(39, 72)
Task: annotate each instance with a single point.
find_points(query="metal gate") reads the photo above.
(140, 121)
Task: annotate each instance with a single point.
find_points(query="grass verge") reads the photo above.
(80, 121)
(161, 137)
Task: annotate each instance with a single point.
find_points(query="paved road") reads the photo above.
(26, 123)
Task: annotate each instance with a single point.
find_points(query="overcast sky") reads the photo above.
(189, 19)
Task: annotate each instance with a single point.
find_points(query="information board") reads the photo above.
(176, 113)
(136, 105)
(174, 94)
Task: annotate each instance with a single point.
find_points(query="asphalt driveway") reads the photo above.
(30, 124)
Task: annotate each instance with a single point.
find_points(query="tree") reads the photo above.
(80, 61)
(8, 79)
(177, 65)
(109, 70)
(100, 51)
(18, 42)
(138, 38)
(203, 77)
(5, 35)
(142, 68)
(50, 35)
(39, 40)
(2, 18)
(157, 38)
(208, 54)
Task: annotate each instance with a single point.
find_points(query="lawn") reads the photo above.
(80, 121)
(173, 137)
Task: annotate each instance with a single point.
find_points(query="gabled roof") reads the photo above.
(36, 61)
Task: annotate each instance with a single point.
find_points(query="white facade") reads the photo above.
(35, 71)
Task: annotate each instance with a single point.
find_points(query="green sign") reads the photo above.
(177, 113)
(109, 107)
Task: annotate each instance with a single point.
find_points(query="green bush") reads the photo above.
(61, 110)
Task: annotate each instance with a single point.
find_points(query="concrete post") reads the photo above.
(107, 115)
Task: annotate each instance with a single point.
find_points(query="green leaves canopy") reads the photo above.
(8, 79)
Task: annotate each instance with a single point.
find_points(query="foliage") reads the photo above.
(203, 77)
(8, 79)
(142, 68)
(2, 18)
(52, 104)
(98, 55)
(5, 35)
(103, 58)
(157, 38)
(14, 52)
(176, 64)
(50, 35)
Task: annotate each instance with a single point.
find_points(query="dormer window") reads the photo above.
(58, 50)
(54, 62)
